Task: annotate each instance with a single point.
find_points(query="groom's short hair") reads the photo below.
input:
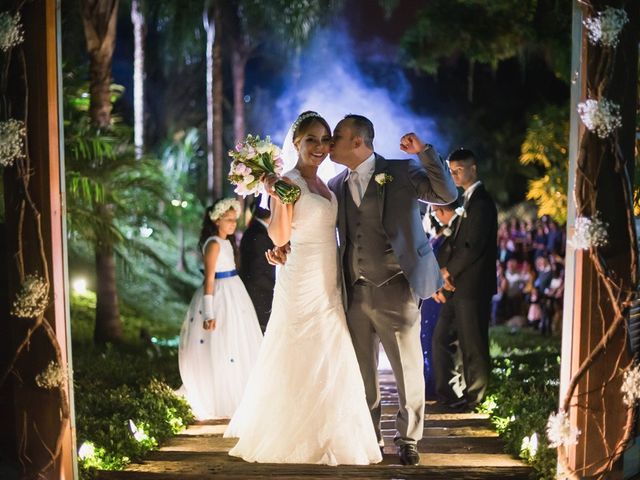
(362, 127)
(462, 155)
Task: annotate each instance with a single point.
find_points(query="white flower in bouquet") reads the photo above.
(606, 26)
(254, 158)
(601, 117)
(631, 385)
(589, 232)
(560, 432)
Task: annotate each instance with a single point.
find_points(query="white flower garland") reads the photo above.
(51, 377)
(560, 432)
(12, 140)
(223, 206)
(601, 117)
(606, 26)
(631, 385)
(33, 299)
(589, 232)
(11, 33)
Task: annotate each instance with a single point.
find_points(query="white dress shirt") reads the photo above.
(469, 191)
(358, 182)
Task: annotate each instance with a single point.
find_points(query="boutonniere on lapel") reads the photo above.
(447, 232)
(382, 179)
(460, 212)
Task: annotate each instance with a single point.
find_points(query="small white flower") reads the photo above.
(589, 232)
(11, 33)
(560, 432)
(631, 385)
(606, 26)
(51, 377)
(447, 232)
(382, 178)
(530, 445)
(32, 299)
(461, 212)
(12, 140)
(601, 117)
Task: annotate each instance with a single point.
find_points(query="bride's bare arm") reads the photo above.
(281, 216)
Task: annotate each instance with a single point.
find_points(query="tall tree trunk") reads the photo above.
(210, 28)
(239, 59)
(99, 19)
(218, 126)
(137, 19)
(108, 324)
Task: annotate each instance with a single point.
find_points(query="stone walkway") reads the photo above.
(455, 446)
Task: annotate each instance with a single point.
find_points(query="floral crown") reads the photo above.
(300, 119)
(223, 206)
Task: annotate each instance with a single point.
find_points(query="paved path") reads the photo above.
(455, 446)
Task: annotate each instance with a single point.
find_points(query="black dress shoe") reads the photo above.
(459, 405)
(409, 454)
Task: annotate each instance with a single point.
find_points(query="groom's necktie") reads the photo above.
(355, 187)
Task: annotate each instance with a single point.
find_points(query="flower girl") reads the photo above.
(220, 336)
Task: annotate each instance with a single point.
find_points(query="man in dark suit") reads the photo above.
(258, 276)
(387, 262)
(461, 337)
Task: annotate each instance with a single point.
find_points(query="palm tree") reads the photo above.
(99, 18)
(137, 19)
(106, 189)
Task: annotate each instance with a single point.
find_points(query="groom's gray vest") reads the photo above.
(368, 254)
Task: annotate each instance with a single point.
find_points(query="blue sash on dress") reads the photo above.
(227, 274)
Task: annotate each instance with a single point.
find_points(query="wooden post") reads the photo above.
(34, 94)
(596, 404)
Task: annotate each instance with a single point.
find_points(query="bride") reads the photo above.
(305, 400)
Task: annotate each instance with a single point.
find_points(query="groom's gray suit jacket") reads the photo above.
(428, 181)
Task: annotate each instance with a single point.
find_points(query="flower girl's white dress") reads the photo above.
(215, 365)
(305, 401)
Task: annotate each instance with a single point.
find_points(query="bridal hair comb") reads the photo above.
(302, 117)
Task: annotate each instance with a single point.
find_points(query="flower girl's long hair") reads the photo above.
(209, 229)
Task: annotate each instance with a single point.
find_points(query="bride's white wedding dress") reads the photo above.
(305, 399)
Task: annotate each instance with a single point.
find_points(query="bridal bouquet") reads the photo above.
(251, 160)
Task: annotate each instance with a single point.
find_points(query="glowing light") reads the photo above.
(79, 285)
(86, 450)
(146, 231)
(184, 204)
(175, 202)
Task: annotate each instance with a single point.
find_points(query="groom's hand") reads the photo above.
(278, 255)
(410, 143)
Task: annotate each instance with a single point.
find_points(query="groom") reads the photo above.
(387, 262)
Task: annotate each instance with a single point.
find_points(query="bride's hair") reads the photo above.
(304, 122)
(209, 229)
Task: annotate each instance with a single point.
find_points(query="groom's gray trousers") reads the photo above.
(389, 314)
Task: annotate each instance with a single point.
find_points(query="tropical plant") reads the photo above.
(109, 195)
(546, 146)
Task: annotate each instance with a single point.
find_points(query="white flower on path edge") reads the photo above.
(560, 432)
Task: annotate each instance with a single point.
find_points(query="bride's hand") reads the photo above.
(270, 179)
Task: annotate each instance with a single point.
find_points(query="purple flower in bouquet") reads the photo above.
(254, 158)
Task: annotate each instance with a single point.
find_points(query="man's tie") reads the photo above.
(355, 187)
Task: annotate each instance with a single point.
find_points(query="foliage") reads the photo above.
(490, 31)
(133, 381)
(546, 145)
(523, 391)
